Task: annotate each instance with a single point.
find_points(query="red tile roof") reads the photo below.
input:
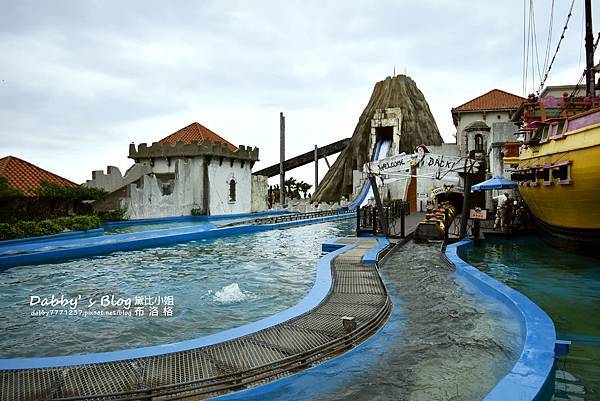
(495, 99)
(27, 177)
(195, 132)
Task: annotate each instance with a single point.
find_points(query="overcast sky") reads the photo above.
(80, 80)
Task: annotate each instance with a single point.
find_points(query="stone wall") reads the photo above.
(113, 179)
(149, 199)
(180, 149)
(384, 118)
(259, 193)
(220, 174)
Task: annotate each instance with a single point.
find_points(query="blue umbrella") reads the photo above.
(496, 182)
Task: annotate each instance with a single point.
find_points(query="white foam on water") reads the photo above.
(230, 294)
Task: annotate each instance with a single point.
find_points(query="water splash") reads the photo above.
(230, 294)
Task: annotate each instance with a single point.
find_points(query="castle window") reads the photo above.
(232, 190)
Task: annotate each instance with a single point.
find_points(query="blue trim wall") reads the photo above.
(531, 375)
(370, 257)
(315, 296)
(124, 223)
(145, 239)
(331, 244)
(66, 235)
(37, 246)
(192, 218)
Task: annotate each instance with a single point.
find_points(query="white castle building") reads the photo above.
(191, 169)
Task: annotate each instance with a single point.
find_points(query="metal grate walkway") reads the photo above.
(272, 353)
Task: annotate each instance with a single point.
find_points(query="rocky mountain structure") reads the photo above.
(416, 126)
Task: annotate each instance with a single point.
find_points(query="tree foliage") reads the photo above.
(55, 191)
(7, 191)
(293, 190)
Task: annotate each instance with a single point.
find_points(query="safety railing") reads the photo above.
(368, 221)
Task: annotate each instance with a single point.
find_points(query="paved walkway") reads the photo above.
(301, 342)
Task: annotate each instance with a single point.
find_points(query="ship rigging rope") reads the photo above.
(562, 36)
(572, 95)
(549, 37)
(530, 45)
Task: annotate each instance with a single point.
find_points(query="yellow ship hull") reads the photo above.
(571, 204)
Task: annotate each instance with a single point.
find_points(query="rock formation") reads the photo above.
(418, 127)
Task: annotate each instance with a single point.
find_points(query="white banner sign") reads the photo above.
(427, 163)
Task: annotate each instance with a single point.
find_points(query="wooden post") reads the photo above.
(446, 225)
(464, 217)
(281, 159)
(402, 222)
(379, 205)
(476, 226)
(316, 167)
(590, 88)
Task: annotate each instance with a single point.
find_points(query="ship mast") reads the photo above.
(589, 51)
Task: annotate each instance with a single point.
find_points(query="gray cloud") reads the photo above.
(83, 79)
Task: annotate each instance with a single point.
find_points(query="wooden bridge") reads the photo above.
(305, 158)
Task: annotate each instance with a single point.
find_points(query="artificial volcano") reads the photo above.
(418, 127)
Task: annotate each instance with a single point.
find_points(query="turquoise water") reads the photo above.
(567, 287)
(215, 284)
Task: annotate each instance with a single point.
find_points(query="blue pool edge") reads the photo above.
(64, 235)
(155, 220)
(320, 289)
(532, 374)
(124, 223)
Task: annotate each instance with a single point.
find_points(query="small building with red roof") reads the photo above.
(27, 177)
(193, 168)
(495, 106)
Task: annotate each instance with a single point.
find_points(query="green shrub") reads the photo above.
(24, 229)
(197, 212)
(79, 223)
(112, 215)
(6, 190)
(85, 223)
(48, 227)
(6, 231)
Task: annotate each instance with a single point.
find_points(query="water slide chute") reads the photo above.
(381, 152)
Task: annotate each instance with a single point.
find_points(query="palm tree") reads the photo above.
(293, 188)
(290, 187)
(304, 187)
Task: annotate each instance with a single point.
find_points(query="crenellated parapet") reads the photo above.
(113, 180)
(182, 149)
